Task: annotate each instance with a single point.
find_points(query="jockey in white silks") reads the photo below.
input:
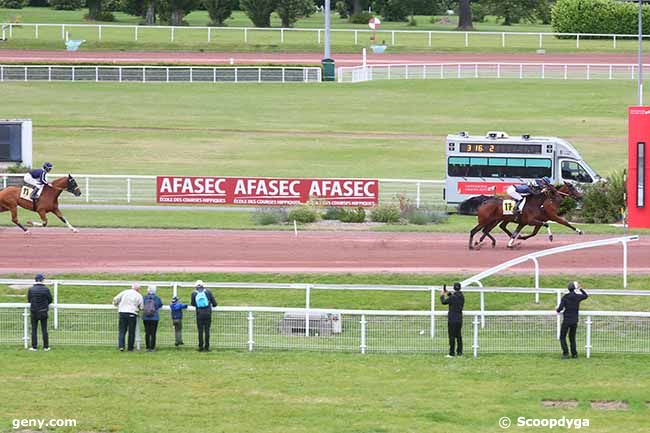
(521, 191)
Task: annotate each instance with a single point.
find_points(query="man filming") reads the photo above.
(456, 302)
(570, 305)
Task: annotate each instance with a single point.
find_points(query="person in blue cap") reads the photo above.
(177, 308)
(39, 298)
(38, 179)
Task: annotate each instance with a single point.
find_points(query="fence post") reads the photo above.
(476, 70)
(521, 71)
(498, 70)
(566, 71)
(62, 31)
(417, 195)
(433, 311)
(4, 182)
(172, 34)
(503, 39)
(307, 296)
(459, 75)
(610, 72)
(282, 36)
(475, 339)
(96, 74)
(543, 71)
(558, 319)
(356, 37)
(250, 331)
(128, 190)
(588, 72)
(56, 305)
(392, 37)
(88, 183)
(614, 41)
(245, 35)
(578, 40)
(482, 308)
(209, 34)
(175, 289)
(540, 40)
(138, 340)
(536, 262)
(588, 345)
(466, 39)
(36, 31)
(363, 333)
(624, 265)
(99, 29)
(25, 328)
(429, 39)
(136, 33)
(318, 32)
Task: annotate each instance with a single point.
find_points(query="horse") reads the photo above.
(48, 202)
(539, 208)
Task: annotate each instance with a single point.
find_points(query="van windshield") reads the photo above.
(572, 170)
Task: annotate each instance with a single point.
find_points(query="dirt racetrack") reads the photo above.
(55, 250)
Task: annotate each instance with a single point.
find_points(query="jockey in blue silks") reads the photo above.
(38, 179)
(521, 191)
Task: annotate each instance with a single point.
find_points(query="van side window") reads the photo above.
(572, 170)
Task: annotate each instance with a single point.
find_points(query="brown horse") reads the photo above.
(48, 202)
(538, 209)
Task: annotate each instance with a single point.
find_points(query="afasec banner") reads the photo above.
(257, 191)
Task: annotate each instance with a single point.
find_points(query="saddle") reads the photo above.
(28, 192)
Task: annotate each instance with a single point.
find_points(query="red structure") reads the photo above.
(638, 167)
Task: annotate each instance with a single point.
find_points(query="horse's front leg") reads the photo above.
(515, 234)
(58, 213)
(558, 219)
(43, 222)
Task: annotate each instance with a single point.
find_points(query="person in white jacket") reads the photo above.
(128, 302)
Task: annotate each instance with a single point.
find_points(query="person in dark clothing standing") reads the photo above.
(203, 300)
(151, 304)
(456, 302)
(177, 307)
(570, 305)
(39, 298)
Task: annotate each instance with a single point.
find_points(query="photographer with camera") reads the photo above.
(456, 302)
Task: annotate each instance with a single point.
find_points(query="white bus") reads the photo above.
(488, 164)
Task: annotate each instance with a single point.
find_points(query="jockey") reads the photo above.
(38, 179)
(523, 190)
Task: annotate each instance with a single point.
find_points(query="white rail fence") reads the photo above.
(267, 328)
(161, 74)
(490, 70)
(255, 35)
(135, 189)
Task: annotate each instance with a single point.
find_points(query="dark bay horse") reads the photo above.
(48, 201)
(539, 209)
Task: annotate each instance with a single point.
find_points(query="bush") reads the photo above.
(479, 12)
(567, 207)
(386, 214)
(423, 216)
(13, 4)
(360, 18)
(602, 201)
(105, 16)
(341, 9)
(303, 214)
(66, 5)
(413, 22)
(357, 215)
(393, 10)
(598, 16)
(332, 213)
(268, 216)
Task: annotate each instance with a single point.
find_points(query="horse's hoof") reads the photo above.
(580, 232)
(30, 223)
(550, 238)
(27, 232)
(75, 231)
(494, 245)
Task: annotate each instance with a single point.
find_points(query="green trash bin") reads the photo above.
(328, 69)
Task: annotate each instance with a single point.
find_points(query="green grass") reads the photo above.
(376, 129)
(346, 299)
(189, 38)
(183, 391)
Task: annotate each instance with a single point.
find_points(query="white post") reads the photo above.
(503, 39)
(588, 345)
(566, 71)
(62, 31)
(96, 74)
(99, 29)
(136, 32)
(282, 36)
(245, 35)
(475, 342)
(356, 37)
(175, 289)
(466, 39)
(318, 32)
(417, 195)
(295, 229)
(128, 190)
(363, 333)
(36, 31)
(406, 71)
(137, 333)
(578, 40)
(588, 72)
(307, 294)
(536, 262)
(476, 70)
(624, 264)
(558, 319)
(498, 70)
(540, 40)
(4, 182)
(172, 33)
(433, 311)
(26, 327)
(392, 37)
(429, 39)
(87, 192)
(459, 70)
(614, 41)
(521, 71)
(482, 308)
(250, 331)
(610, 72)
(56, 305)
(364, 57)
(543, 71)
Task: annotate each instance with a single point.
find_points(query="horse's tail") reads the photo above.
(471, 205)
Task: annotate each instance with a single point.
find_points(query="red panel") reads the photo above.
(638, 132)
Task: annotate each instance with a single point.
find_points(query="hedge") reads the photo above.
(598, 16)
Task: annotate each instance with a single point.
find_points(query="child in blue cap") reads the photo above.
(177, 319)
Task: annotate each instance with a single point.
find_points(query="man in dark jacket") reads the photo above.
(203, 300)
(456, 302)
(39, 298)
(570, 304)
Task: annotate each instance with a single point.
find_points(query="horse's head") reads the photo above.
(72, 186)
(570, 190)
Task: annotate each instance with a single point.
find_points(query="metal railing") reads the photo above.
(161, 74)
(490, 70)
(267, 328)
(255, 35)
(138, 189)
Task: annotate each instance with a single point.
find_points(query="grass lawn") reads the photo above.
(184, 391)
(191, 38)
(307, 130)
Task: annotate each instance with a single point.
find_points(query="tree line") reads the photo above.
(173, 12)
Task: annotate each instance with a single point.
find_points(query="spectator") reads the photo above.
(456, 302)
(203, 300)
(129, 302)
(151, 304)
(570, 304)
(39, 298)
(177, 308)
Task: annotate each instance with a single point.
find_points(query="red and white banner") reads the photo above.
(482, 188)
(258, 191)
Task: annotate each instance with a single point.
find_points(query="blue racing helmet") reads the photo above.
(47, 166)
(547, 180)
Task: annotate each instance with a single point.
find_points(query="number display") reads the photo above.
(500, 148)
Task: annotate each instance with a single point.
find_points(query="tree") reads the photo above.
(150, 12)
(464, 15)
(219, 10)
(259, 11)
(94, 9)
(172, 12)
(291, 10)
(513, 11)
